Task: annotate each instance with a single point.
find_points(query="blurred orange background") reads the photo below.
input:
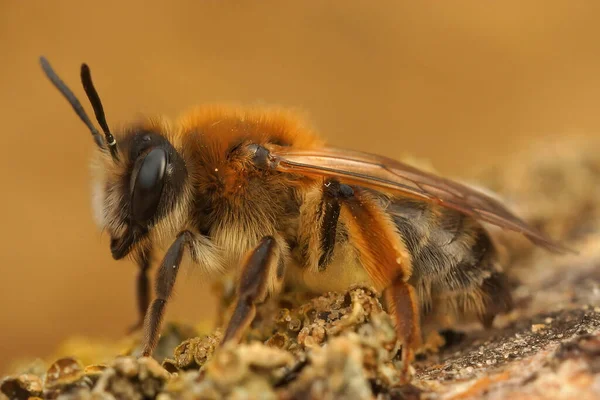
(461, 84)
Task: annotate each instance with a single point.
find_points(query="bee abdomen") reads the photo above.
(453, 260)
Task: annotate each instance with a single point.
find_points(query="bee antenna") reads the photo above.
(92, 94)
(68, 94)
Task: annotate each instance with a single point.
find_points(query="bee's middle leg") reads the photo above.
(263, 266)
(328, 215)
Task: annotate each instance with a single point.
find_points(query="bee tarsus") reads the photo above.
(402, 303)
(165, 281)
(260, 264)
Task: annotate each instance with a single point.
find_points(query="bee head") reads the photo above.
(139, 176)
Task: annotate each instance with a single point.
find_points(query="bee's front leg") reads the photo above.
(165, 280)
(143, 260)
(263, 271)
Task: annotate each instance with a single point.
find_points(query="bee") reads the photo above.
(257, 194)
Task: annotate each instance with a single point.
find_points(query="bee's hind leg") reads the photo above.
(262, 272)
(497, 298)
(402, 304)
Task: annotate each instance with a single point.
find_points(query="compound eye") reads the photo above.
(148, 186)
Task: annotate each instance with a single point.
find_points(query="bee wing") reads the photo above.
(385, 174)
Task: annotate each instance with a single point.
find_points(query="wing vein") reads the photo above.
(385, 174)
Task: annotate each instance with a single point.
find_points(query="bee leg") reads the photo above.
(401, 302)
(143, 260)
(319, 218)
(497, 298)
(259, 266)
(165, 280)
(333, 191)
(385, 258)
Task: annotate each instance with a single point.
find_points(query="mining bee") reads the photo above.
(255, 193)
